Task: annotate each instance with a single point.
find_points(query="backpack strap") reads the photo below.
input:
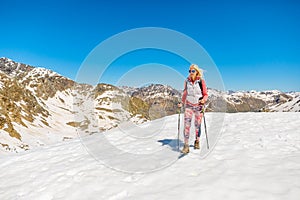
(200, 84)
(201, 87)
(185, 85)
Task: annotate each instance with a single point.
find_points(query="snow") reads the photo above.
(291, 105)
(257, 156)
(267, 95)
(7, 59)
(41, 72)
(37, 133)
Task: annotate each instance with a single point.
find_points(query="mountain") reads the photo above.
(34, 107)
(265, 101)
(161, 100)
(40, 107)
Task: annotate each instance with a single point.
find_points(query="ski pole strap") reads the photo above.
(180, 109)
(202, 108)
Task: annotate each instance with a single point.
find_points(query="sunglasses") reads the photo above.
(193, 71)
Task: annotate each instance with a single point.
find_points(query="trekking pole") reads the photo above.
(205, 131)
(178, 129)
(203, 111)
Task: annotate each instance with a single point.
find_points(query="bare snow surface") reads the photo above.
(257, 156)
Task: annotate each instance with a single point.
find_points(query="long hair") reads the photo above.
(199, 71)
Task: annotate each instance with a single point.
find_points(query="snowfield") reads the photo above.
(257, 156)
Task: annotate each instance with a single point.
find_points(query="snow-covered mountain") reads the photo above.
(39, 106)
(289, 102)
(265, 101)
(35, 106)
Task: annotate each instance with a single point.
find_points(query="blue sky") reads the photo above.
(255, 44)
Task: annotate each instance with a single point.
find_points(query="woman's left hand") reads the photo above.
(201, 102)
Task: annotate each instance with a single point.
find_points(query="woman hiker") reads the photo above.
(193, 98)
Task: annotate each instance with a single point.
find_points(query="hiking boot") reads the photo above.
(196, 144)
(185, 149)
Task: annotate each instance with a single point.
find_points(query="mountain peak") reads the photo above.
(6, 59)
(12, 68)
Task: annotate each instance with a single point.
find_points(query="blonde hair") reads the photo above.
(200, 72)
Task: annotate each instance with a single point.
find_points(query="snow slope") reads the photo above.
(257, 157)
(292, 105)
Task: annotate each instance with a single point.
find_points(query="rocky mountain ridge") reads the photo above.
(40, 107)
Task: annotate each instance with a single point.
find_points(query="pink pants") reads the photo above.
(188, 114)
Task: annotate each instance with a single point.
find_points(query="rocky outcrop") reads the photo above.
(161, 100)
(19, 105)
